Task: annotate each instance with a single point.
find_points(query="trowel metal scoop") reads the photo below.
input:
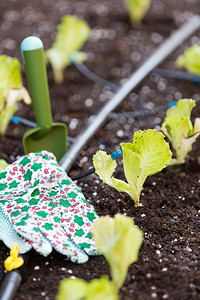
(47, 135)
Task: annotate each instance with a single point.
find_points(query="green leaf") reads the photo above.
(183, 108)
(42, 214)
(20, 200)
(119, 240)
(3, 186)
(79, 220)
(66, 181)
(3, 175)
(72, 34)
(148, 154)
(16, 213)
(101, 288)
(25, 208)
(137, 9)
(84, 245)
(64, 202)
(33, 201)
(179, 129)
(28, 175)
(35, 192)
(56, 219)
(72, 289)
(36, 166)
(3, 164)
(91, 216)
(78, 289)
(105, 166)
(190, 60)
(48, 226)
(79, 232)
(25, 161)
(11, 90)
(72, 195)
(13, 184)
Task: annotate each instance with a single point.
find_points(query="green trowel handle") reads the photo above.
(33, 57)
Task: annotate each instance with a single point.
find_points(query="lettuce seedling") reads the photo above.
(190, 60)
(79, 289)
(179, 129)
(137, 9)
(11, 90)
(72, 34)
(119, 240)
(148, 154)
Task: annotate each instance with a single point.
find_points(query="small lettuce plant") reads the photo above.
(180, 130)
(119, 240)
(72, 33)
(11, 90)
(148, 154)
(137, 9)
(190, 60)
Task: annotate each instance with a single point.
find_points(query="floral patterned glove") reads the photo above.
(9, 235)
(46, 208)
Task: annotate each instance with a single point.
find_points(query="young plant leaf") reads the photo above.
(119, 240)
(101, 288)
(72, 289)
(179, 129)
(78, 289)
(137, 9)
(148, 154)
(190, 60)
(105, 167)
(11, 90)
(72, 34)
(3, 164)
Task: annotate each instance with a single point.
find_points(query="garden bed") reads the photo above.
(168, 266)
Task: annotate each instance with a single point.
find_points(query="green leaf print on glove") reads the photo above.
(46, 207)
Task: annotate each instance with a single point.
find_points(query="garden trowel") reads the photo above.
(47, 135)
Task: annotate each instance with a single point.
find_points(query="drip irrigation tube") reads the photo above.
(153, 61)
(18, 120)
(13, 280)
(92, 76)
(177, 75)
(136, 114)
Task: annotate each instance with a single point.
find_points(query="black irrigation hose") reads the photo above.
(18, 120)
(114, 155)
(83, 174)
(13, 280)
(136, 114)
(10, 285)
(177, 75)
(92, 76)
(163, 72)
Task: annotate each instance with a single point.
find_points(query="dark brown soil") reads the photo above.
(168, 266)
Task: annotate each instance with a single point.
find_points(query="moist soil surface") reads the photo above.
(168, 265)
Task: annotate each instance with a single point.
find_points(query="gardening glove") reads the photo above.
(46, 208)
(9, 235)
